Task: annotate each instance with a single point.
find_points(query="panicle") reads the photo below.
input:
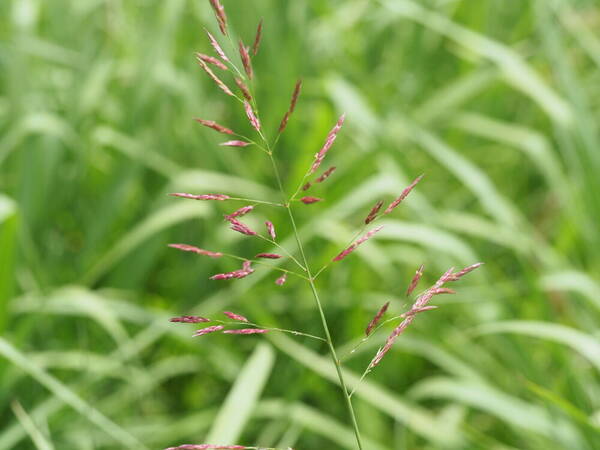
(290, 110)
(219, 197)
(309, 200)
(373, 213)
(215, 126)
(251, 116)
(281, 280)
(246, 331)
(415, 280)
(212, 329)
(238, 226)
(197, 250)
(216, 79)
(239, 213)
(320, 156)
(358, 242)
(245, 57)
(211, 60)
(325, 174)
(403, 195)
(257, 38)
(244, 89)
(373, 323)
(220, 14)
(234, 316)
(270, 229)
(269, 255)
(216, 46)
(235, 143)
(189, 319)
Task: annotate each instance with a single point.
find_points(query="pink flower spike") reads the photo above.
(221, 17)
(325, 174)
(414, 311)
(239, 213)
(307, 186)
(466, 270)
(251, 116)
(234, 316)
(235, 143)
(241, 273)
(269, 255)
(197, 250)
(246, 331)
(415, 280)
(403, 195)
(309, 200)
(244, 89)
(281, 280)
(271, 229)
(216, 46)
(245, 57)
(219, 197)
(373, 213)
(211, 60)
(373, 323)
(257, 38)
(438, 291)
(355, 245)
(189, 319)
(215, 126)
(238, 226)
(208, 447)
(203, 331)
(216, 79)
(320, 156)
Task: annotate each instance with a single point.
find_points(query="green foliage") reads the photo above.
(497, 102)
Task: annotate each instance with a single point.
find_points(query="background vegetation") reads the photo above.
(496, 101)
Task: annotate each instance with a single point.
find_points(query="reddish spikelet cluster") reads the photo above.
(240, 273)
(207, 330)
(415, 280)
(246, 331)
(270, 229)
(197, 250)
(257, 38)
(373, 213)
(219, 197)
(403, 195)
(290, 110)
(235, 143)
(309, 200)
(245, 57)
(244, 89)
(325, 174)
(207, 447)
(234, 316)
(419, 306)
(251, 116)
(211, 60)
(307, 186)
(215, 126)
(189, 319)
(269, 255)
(355, 245)
(220, 14)
(215, 78)
(216, 46)
(239, 213)
(373, 323)
(320, 156)
(238, 226)
(281, 280)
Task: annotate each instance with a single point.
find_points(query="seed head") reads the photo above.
(373, 323)
(320, 156)
(216, 46)
(415, 280)
(403, 195)
(325, 174)
(269, 255)
(216, 79)
(257, 38)
(189, 319)
(239, 213)
(235, 143)
(219, 197)
(215, 126)
(240, 273)
(212, 329)
(281, 280)
(211, 60)
(309, 200)
(292, 106)
(244, 89)
(220, 14)
(238, 226)
(245, 57)
(197, 250)
(251, 116)
(235, 316)
(271, 229)
(246, 331)
(307, 186)
(355, 245)
(208, 447)
(458, 275)
(373, 213)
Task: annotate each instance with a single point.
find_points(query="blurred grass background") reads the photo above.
(497, 102)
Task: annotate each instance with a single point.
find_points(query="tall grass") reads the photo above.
(499, 101)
